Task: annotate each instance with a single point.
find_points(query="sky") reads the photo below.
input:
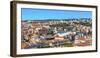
(42, 14)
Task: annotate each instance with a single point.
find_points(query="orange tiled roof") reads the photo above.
(58, 37)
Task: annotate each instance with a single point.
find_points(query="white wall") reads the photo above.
(5, 29)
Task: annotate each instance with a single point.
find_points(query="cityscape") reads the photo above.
(56, 33)
(53, 32)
